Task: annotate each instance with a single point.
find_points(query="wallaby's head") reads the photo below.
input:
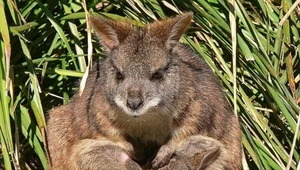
(141, 72)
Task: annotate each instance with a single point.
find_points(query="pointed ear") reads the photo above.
(171, 29)
(110, 32)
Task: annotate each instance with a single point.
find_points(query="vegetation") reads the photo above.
(249, 45)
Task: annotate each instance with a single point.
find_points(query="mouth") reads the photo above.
(143, 109)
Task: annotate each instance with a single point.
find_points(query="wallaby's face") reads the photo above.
(142, 71)
(143, 75)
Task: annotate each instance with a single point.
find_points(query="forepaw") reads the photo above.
(175, 164)
(163, 157)
(102, 158)
(116, 158)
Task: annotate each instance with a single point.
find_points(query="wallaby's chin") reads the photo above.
(144, 108)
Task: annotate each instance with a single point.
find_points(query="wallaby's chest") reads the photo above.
(143, 152)
(149, 129)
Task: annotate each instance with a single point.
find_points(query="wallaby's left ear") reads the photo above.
(181, 23)
(171, 29)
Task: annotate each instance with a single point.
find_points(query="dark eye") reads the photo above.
(157, 75)
(119, 76)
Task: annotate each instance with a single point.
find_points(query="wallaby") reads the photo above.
(151, 104)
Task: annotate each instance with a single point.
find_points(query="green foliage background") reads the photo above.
(43, 47)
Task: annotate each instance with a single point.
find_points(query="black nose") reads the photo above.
(134, 98)
(134, 103)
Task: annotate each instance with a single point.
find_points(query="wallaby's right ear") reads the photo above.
(110, 32)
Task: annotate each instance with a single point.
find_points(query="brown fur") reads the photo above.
(153, 104)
